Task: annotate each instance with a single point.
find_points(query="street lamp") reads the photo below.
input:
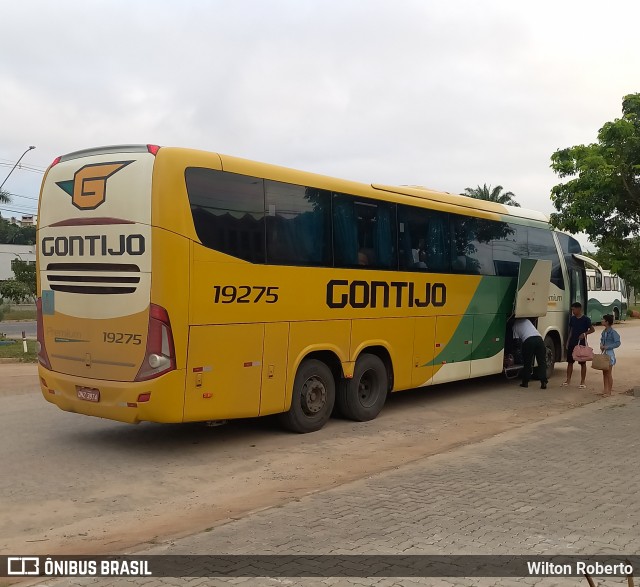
(16, 165)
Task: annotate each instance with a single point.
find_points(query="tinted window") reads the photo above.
(228, 212)
(364, 233)
(471, 241)
(576, 275)
(568, 244)
(508, 248)
(423, 237)
(542, 246)
(607, 283)
(298, 225)
(598, 281)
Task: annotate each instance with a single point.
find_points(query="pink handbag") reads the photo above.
(583, 352)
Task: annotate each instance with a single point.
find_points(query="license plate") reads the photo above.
(88, 394)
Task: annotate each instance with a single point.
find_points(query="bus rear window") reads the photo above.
(228, 212)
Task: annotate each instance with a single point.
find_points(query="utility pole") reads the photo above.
(16, 165)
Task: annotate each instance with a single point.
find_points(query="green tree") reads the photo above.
(601, 196)
(14, 291)
(5, 198)
(493, 195)
(625, 263)
(17, 235)
(25, 273)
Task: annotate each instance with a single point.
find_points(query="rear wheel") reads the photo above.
(362, 397)
(313, 398)
(616, 314)
(551, 355)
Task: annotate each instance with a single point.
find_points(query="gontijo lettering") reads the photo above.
(92, 245)
(373, 294)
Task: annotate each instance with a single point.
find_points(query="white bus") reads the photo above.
(607, 294)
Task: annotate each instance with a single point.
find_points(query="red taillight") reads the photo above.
(56, 161)
(144, 397)
(42, 350)
(153, 149)
(160, 355)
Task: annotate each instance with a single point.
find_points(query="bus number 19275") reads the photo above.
(244, 294)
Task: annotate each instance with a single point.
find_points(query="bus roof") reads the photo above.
(464, 201)
(419, 192)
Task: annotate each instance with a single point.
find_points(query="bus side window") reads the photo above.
(423, 239)
(607, 283)
(364, 233)
(598, 286)
(542, 246)
(298, 225)
(228, 212)
(506, 250)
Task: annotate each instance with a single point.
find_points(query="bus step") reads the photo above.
(513, 371)
(215, 423)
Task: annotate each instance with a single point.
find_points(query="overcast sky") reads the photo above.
(446, 94)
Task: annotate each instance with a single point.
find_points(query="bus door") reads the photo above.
(532, 295)
(578, 278)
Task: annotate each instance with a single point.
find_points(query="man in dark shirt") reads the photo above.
(579, 327)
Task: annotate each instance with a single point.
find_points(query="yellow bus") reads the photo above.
(177, 285)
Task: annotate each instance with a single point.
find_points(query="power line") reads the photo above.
(24, 168)
(20, 196)
(24, 212)
(35, 167)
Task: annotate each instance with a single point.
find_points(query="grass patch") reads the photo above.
(16, 351)
(11, 314)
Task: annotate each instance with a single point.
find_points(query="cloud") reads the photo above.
(447, 95)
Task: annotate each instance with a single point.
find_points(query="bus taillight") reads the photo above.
(42, 350)
(160, 355)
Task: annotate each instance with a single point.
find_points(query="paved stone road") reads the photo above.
(566, 485)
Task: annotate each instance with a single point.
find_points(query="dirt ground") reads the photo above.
(78, 485)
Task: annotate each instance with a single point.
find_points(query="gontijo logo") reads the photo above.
(88, 188)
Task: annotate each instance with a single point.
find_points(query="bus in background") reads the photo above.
(607, 295)
(177, 285)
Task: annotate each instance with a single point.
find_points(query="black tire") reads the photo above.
(313, 398)
(616, 315)
(551, 355)
(362, 397)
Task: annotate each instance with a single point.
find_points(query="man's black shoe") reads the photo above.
(543, 385)
(524, 385)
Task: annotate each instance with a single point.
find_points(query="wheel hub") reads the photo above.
(314, 396)
(366, 388)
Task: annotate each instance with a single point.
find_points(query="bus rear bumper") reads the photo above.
(117, 400)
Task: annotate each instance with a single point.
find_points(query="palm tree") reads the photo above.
(5, 198)
(493, 195)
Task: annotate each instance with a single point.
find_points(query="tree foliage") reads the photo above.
(12, 234)
(625, 263)
(23, 287)
(5, 198)
(15, 291)
(493, 195)
(601, 194)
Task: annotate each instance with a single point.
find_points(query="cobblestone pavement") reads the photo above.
(566, 485)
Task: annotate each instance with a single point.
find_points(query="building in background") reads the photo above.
(26, 220)
(11, 253)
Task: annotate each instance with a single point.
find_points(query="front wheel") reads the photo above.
(313, 398)
(551, 355)
(362, 397)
